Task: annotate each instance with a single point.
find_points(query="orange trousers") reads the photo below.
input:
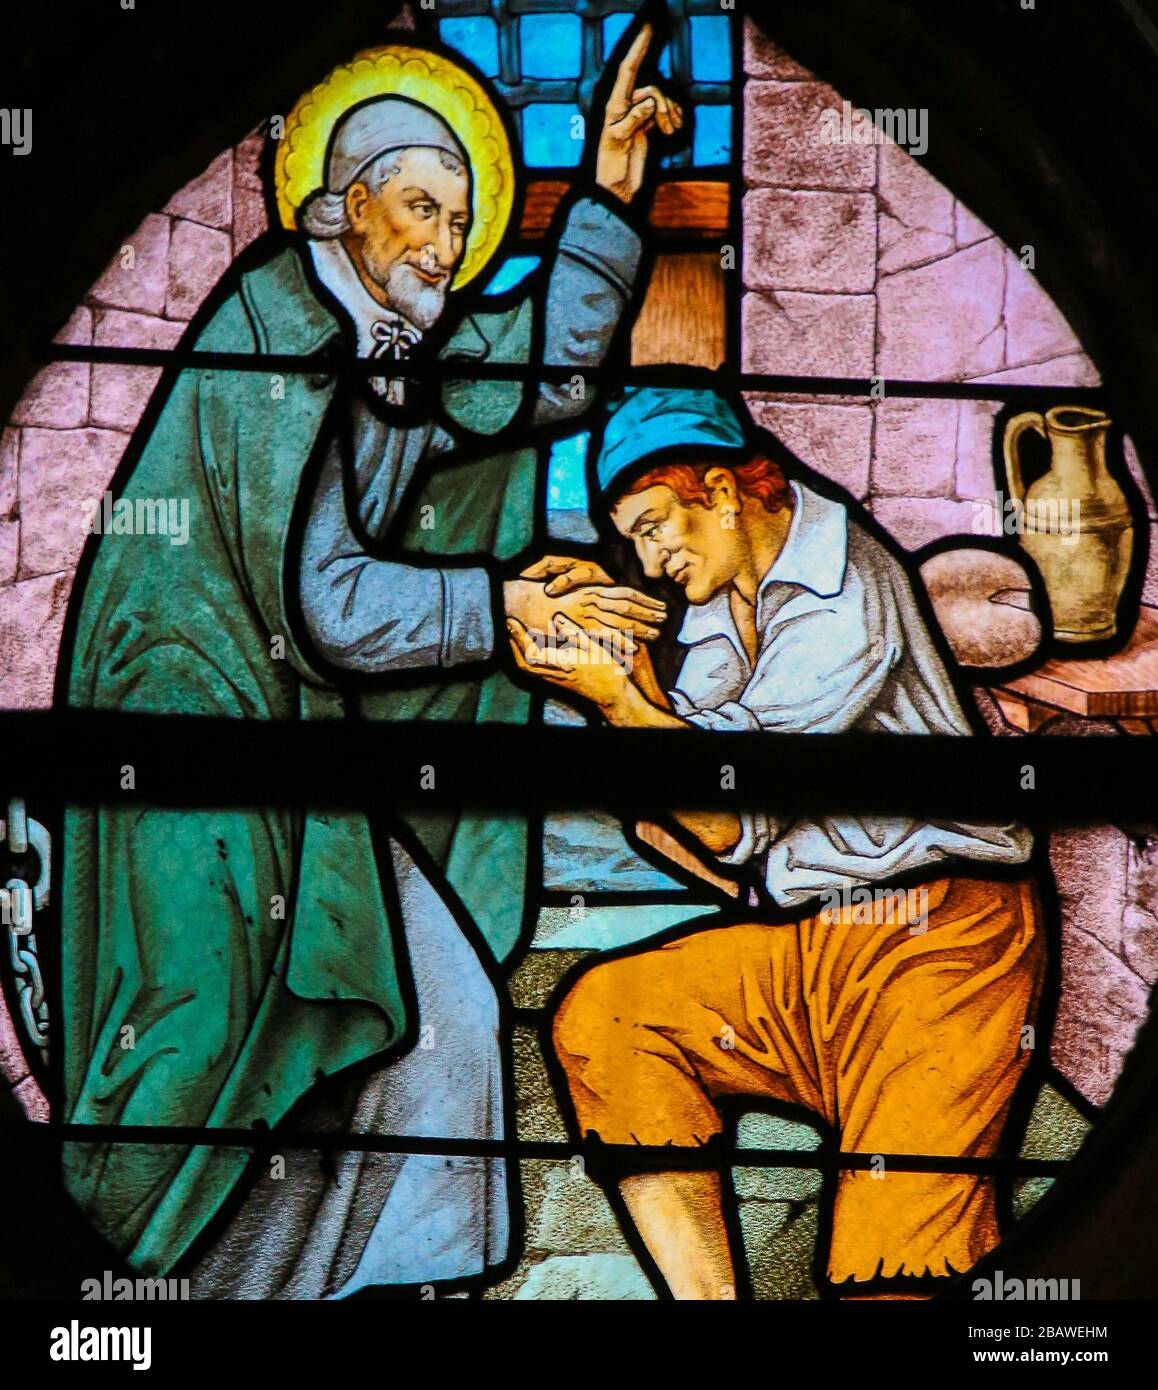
(905, 1037)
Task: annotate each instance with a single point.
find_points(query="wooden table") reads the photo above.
(1122, 687)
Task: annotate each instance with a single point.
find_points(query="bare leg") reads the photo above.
(680, 1217)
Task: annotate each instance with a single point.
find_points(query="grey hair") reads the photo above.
(323, 214)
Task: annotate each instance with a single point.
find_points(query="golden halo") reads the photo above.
(436, 82)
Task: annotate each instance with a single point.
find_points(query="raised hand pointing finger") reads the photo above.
(621, 93)
(631, 112)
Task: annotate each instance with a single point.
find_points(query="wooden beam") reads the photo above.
(681, 207)
(682, 317)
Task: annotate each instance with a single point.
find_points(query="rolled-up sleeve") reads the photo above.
(468, 632)
(729, 718)
(756, 828)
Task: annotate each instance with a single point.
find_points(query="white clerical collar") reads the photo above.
(374, 324)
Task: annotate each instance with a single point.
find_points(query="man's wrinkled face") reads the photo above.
(691, 544)
(411, 233)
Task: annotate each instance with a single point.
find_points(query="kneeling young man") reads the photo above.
(903, 1032)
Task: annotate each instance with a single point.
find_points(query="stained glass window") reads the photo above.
(535, 457)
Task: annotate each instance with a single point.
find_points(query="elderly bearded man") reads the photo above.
(251, 955)
(903, 1032)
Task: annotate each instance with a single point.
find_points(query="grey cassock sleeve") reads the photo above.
(372, 615)
(591, 282)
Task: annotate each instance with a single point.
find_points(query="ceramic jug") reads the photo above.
(1074, 521)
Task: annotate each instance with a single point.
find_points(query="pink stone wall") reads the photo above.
(68, 432)
(1108, 882)
(858, 263)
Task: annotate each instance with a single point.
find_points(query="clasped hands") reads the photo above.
(572, 626)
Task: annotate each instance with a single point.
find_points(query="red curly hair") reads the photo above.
(761, 478)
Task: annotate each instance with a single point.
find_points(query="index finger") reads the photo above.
(629, 68)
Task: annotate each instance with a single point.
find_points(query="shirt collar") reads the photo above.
(814, 556)
(336, 271)
(815, 551)
(704, 620)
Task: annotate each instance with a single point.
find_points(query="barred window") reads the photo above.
(545, 60)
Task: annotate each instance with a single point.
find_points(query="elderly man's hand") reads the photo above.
(609, 610)
(564, 572)
(630, 113)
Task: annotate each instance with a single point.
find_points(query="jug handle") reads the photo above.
(1014, 429)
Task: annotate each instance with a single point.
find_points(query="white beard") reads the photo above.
(407, 293)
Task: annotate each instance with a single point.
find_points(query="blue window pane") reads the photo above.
(712, 141)
(567, 474)
(513, 270)
(477, 38)
(613, 27)
(547, 138)
(567, 516)
(550, 45)
(711, 52)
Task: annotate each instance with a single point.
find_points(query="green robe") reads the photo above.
(217, 964)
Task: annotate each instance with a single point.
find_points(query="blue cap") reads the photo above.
(651, 420)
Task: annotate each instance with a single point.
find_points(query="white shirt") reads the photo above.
(841, 646)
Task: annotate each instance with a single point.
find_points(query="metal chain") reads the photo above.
(18, 901)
